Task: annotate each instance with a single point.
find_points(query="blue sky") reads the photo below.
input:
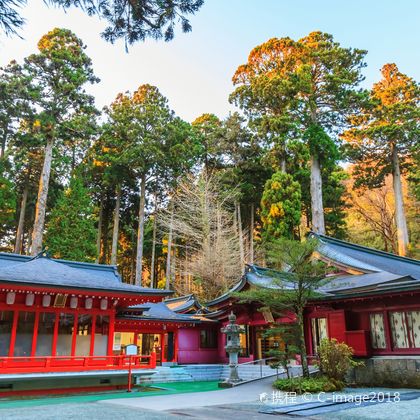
(194, 71)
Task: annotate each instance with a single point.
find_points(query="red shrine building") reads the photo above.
(79, 320)
(62, 316)
(371, 301)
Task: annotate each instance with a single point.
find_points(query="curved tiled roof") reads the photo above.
(60, 273)
(366, 259)
(183, 303)
(381, 271)
(156, 311)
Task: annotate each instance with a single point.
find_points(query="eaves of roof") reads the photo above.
(136, 291)
(151, 319)
(408, 287)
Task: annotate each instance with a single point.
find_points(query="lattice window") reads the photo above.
(377, 331)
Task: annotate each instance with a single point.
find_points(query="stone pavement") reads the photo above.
(246, 393)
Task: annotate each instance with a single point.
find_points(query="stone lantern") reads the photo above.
(233, 347)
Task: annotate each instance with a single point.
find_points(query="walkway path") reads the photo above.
(244, 393)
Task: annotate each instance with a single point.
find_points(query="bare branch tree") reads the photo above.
(375, 210)
(203, 218)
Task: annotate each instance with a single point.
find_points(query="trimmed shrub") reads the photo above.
(336, 359)
(312, 384)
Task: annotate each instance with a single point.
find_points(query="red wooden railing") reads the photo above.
(44, 364)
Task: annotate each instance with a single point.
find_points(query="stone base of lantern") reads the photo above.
(229, 384)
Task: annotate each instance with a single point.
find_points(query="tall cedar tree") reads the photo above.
(245, 171)
(7, 203)
(281, 207)
(15, 98)
(59, 72)
(298, 280)
(27, 151)
(113, 174)
(71, 232)
(209, 132)
(131, 20)
(157, 143)
(387, 130)
(308, 87)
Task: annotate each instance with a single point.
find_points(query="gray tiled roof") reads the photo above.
(366, 259)
(363, 281)
(381, 271)
(60, 273)
(255, 276)
(182, 303)
(156, 311)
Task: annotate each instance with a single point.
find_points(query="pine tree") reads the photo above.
(71, 232)
(291, 289)
(301, 89)
(59, 73)
(131, 20)
(385, 136)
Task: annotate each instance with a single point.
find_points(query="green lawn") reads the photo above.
(169, 388)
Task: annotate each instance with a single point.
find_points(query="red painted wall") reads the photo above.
(189, 350)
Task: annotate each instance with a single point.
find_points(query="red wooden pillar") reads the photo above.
(175, 346)
(35, 334)
(162, 348)
(55, 334)
(111, 333)
(92, 337)
(74, 335)
(13, 334)
(388, 332)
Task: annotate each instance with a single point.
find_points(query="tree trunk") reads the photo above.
(105, 230)
(115, 230)
(318, 224)
(99, 237)
(400, 219)
(4, 141)
(29, 244)
(41, 203)
(302, 346)
(241, 238)
(140, 234)
(152, 265)
(251, 235)
(168, 257)
(283, 164)
(19, 232)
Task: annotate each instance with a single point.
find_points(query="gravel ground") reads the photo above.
(392, 410)
(250, 410)
(407, 410)
(81, 411)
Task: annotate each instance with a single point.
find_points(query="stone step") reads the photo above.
(189, 373)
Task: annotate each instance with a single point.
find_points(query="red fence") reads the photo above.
(45, 364)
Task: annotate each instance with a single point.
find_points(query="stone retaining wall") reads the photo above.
(388, 371)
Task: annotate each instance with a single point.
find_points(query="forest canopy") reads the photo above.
(186, 205)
